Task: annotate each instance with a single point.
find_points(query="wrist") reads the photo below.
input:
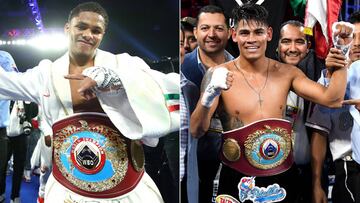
(96, 74)
(104, 78)
(316, 182)
(209, 95)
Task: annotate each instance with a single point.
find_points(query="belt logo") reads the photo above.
(87, 155)
(92, 157)
(269, 148)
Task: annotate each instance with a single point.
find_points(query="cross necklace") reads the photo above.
(260, 100)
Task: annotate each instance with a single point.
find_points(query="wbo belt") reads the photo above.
(93, 159)
(262, 148)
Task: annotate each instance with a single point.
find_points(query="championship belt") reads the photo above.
(262, 148)
(93, 159)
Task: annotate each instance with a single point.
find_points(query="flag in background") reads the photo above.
(320, 15)
(298, 7)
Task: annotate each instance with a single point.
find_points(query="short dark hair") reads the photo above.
(294, 23)
(211, 9)
(90, 7)
(355, 17)
(250, 11)
(187, 26)
(182, 29)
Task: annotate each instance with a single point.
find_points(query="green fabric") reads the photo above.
(171, 96)
(298, 6)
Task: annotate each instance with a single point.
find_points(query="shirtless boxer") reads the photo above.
(250, 93)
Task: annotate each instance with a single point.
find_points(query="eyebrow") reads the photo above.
(211, 25)
(257, 29)
(286, 38)
(86, 24)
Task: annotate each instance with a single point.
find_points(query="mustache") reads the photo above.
(213, 38)
(292, 53)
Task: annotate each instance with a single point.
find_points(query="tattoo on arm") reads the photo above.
(236, 123)
(229, 122)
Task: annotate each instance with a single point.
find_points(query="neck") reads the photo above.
(76, 67)
(81, 61)
(258, 65)
(211, 60)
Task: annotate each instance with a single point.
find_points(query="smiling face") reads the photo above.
(212, 33)
(355, 48)
(190, 42)
(293, 46)
(252, 38)
(85, 33)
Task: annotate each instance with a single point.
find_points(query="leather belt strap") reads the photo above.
(262, 148)
(93, 159)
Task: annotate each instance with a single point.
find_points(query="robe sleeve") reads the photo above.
(22, 86)
(147, 105)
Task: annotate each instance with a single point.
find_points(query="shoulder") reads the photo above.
(7, 62)
(126, 60)
(5, 54)
(122, 60)
(190, 60)
(44, 65)
(228, 65)
(283, 68)
(191, 56)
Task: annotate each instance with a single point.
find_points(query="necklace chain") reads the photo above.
(260, 100)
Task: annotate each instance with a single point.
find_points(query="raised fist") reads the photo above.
(221, 79)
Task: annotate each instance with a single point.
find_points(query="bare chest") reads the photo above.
(79, 103)
(246, 102)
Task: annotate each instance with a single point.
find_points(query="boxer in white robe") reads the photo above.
(133, 96)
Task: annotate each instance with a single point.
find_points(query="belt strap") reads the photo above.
(93, 159)
(262, 148)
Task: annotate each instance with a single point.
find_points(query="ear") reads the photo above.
(233, 35)
(67, 28)
(269, 33)
(195, 32)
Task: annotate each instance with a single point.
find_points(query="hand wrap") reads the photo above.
(214, 88)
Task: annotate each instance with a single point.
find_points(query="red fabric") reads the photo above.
(101, 125)
(322, 48)
(333, 7)
(35, 123)
(40, 200)
(174, 108)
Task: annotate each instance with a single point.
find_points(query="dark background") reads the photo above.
(148, 29)
(279, 11)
